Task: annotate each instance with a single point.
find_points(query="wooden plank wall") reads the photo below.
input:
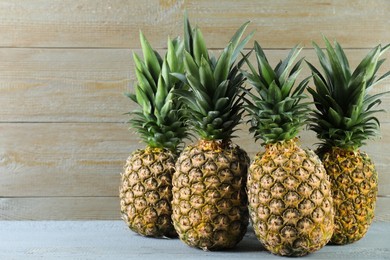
(64, 66)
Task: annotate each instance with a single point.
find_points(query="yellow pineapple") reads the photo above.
(343, 121)
(289, 192)
(209, 200)
(146, 183)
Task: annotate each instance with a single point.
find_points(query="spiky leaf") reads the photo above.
(213, 85)
(276, 111)
(159, 120)
(344, 108)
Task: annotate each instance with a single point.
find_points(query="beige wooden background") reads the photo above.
(65, 64)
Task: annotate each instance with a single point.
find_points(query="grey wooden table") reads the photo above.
(113, 240)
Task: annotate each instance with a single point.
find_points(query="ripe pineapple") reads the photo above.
(343, 121)
(209, 199)
(290, 202)
(146, 187)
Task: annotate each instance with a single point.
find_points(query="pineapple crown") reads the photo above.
(159, 121)
(276, 111)
(344, 110)
(212, 98)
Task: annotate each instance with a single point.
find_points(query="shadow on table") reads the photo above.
(249, 243)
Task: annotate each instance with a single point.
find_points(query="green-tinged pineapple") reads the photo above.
(290, 202)
(146, 187)
(209, 199)
(343, 121)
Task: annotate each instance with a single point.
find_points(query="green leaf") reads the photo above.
(200, 49)
(259, 51)
(180, 77)
(221, 103)
(354, 116)
(335, 105)
(132, 96)
(171, 58)
(144, 84)
(266, 72)
(188, 41)
(338, 76)
(166, 108)
(166, 75)
(297, 66)
(301, 87)
(187, 97)
(220, 91)
(206, 76)
(237, 45)
(384, 49)
(287, 63)
(315, 71)
(222, 68)
(336, 118)
(143, 100)
(140, 65)
(343, 60)
(380, 79)
(373, 100)
(274, 96)
(201, 96)
(190, 65)
(151, 60)
(324, 64)
(321, 87)
(368, 64)
(288, 84)
(217, 122)
(161, 93)
(254, 77)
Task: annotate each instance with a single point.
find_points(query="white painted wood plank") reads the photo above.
(113, 240)
(85, 159)
(73, 85)
(87, 85)
(60, 208)
(82, 159)
(100, 23)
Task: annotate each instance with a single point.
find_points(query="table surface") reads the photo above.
(113, 240)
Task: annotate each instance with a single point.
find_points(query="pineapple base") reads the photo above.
(209, 199)
(146, 192)
(290, 202)
(354, 188)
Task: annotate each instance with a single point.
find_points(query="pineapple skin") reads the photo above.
(146, 192)
(290, 201)
(209, 200)
(354, 187)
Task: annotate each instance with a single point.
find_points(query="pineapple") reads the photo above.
(146, 183)
(209, 200)
(290, 201)
(343, 121)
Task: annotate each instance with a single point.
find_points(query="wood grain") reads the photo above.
(63, 159)
(115, 23)
(87, 85)
(59, 208)
(85, 159)
(64, 85)
(64, 66)
(113, 240)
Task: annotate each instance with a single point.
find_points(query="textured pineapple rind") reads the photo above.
(146, 192)
(209, 199)
(290, 201)
(354, 187)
